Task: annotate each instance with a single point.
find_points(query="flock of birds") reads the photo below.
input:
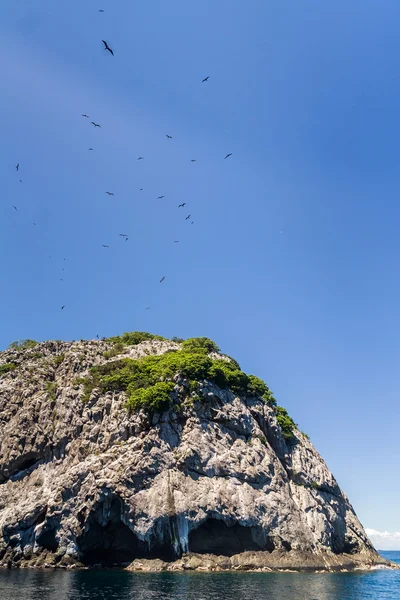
(107, 48)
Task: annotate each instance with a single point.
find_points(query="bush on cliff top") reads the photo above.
(22, 344)
(7, 367)
(192, 362)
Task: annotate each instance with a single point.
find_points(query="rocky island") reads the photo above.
(148, 454)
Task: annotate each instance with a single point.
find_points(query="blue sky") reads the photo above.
(292, 261)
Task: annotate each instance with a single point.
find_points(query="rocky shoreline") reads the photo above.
(245, 561)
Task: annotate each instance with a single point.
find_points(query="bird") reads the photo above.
(86, 116)
(15, 207)
(193, 160)
(95, 124)
(123, 235)
(141, 190)
(90, 148)
(110, 193)
(205, 79)
(176, 241)
(107, 47)
(160, 197)
(61, 279)
(162, 279)
(97, 335)
(101, 10)
(188, 217)
(141, 158)
(20, 180)
(181, 205)
(228, 155)
(104, 246)
(168, 136)
(148, 307)
(63, 306)
(17, 167)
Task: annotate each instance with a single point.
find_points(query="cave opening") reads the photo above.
(106, 540)
(215, 537)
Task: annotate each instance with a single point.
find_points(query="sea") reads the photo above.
(121, 585)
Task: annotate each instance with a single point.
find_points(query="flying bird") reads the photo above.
(101, 10)
(148, 307)
(123, 235)
(95, 124)
(17, 167)
(61, 279)
(160, 197)
(141, 158)
(15, 207)
(104, 246)
(183, 204)
(188, 217)
(90, 148)
(107, 47)
(63, 306)
(162, 279)
(97, 335)
(20, 180)
(176, 241)
(141, 190)
(193, 160)
(168, 136)
(228, 155)
(86, 116)
(110, 193)
(205, 79)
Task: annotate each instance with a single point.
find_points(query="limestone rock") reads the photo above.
(211, 486)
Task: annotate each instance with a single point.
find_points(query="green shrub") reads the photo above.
(22, 344)
(59, 359)
(315, 486)
(133, 338)
(148, 381)
(7, 367)
(200, 344)
(152, 399)
(51, 388)
(286, 423)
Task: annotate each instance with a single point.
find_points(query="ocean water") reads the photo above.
(120, 585)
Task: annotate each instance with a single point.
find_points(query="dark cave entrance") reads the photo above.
(215, 537)
(108, 541)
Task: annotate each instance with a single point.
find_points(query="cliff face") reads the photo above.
(209, 483)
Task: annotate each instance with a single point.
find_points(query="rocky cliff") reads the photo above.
(189, 475)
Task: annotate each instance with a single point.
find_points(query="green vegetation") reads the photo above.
(128, 339)
(59, 359)
(315, 486)
(286, 423)
(51, 388)
(22, 344)
(133, 338)
(200, 344)
(7, 367)
(149, 381)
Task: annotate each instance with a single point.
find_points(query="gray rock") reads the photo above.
(213, 487)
